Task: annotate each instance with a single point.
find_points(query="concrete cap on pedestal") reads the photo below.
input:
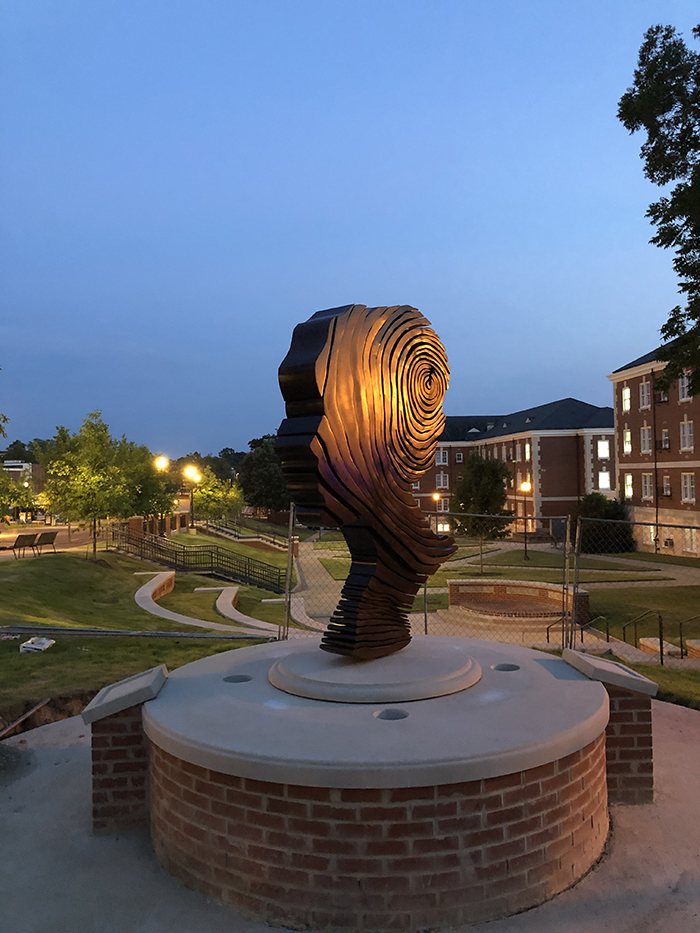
(609, 672)
(126, 693)
(527, 709)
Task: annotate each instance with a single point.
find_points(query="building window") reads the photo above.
(686, 435)
(459, 477)
(627, 441)
(690, 539)
(626, 398)
(415, 486)
(645, 435)
(518, 452)
(688, 487)
(604, 480)
(629, 489)
(667, 486)
(665, 439)
(527, 450)
(603, 450)
(683, 388)
(645, 395)
(504, 455)
(459, 458)
(442, 481)
(441, 456)
(443, 505)
(647, 485)
(662, 395)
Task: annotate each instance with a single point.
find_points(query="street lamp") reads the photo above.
(161, 463)
(525, 486)
(436, 500)
(192, 474)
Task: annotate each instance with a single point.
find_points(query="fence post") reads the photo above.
(661, 639)
(288, 580)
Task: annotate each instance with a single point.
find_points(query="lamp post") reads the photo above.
(192, 474)
(436, 500)
(526, 486)
(161, 464)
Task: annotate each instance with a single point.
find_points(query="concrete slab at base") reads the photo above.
(527, 709)
(425, 668)
(609, 672)
(129, 692)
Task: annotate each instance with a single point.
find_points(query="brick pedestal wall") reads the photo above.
(629, 750)
(119, 772)
(380, 858)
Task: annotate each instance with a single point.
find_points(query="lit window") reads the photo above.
(604, 480)
(629, 489)
(627, 441)
(665, 439)
(690, 539)
(645, 435)
(603, 450)
(442, 481)
(626, 398)
(688, 487)
(647, 485)
(519, 479)
(518, 452)
(459, 458)
(684, 388)
(645, 395)
(686, 435)
(667, 486)
(527, 450)
(443, 527)
(441, 456)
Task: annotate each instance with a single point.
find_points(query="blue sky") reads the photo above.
(183, 182)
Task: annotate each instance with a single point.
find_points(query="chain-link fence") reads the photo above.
(628, 588)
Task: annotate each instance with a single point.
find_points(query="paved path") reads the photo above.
(58, 878)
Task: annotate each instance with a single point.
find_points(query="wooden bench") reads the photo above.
(45, 538)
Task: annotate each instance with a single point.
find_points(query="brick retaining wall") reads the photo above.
(471, 592)
(119, 772)
(629, 751)
(380, 859)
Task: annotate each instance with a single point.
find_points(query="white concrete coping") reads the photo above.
(208, 589)
(609, 672)
(297, 610)
(226, 606)
(527, 709)
(126, 693)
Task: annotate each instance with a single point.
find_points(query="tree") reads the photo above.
(664, 100)
(93, 476)
(599, 537)
(261, 477)
(482, 490)
(215, 498)
(17, 450)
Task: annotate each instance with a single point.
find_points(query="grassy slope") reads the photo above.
(673, 602)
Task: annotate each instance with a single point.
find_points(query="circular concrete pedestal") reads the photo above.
(382, 815)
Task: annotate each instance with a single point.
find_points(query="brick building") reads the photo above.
(564, 449)
(656, 458)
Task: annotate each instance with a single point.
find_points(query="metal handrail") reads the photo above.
(207, 559)
(636, 620)
(680, 631)
(597, 619)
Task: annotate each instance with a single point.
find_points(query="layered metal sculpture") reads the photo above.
(363, 389)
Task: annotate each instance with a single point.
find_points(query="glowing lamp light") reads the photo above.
(196, 477)
(161, 463)
(190, 472)
(436, 496)
(525, 487)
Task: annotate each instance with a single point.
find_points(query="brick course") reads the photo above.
(119, 772)
(380, 858)
(629, 751)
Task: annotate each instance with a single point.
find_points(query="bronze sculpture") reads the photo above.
(363, 389)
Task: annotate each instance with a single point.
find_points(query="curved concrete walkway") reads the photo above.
(58, 877)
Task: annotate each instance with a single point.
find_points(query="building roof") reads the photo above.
(647, 358)
(564, 414)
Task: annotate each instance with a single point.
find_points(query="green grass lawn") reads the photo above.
(201, 539)
(675, 686)
(675, 603)
(76, 664)
(661, 559)
(338, 568)
(183, 599)
(552, 559)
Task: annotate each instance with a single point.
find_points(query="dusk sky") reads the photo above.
(183, 181)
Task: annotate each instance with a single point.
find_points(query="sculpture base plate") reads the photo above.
(417, 672)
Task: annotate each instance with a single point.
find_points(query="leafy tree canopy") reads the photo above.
(261, 477)
(664, 101)
(215, 498)
(482, 490)
(601, 537)
(19, 451)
